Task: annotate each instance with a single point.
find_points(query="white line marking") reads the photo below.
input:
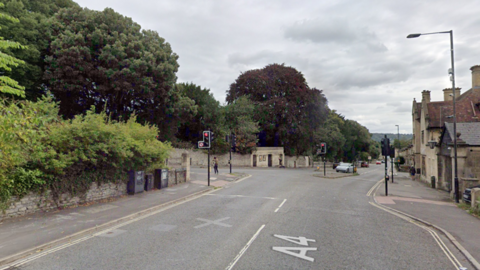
(243, 179)
(46, 252)
(276, 210)
(235, 260)
(216, 222)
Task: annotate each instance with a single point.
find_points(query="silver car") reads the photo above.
(344, 167)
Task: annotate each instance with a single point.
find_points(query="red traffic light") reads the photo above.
(205, 134)
(322, 145)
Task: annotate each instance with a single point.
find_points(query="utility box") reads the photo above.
(161, 178)
(136, 182)
(148, 182)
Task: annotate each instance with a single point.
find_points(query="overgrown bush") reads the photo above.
(40, 151)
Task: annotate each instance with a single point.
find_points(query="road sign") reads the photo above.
(369, 158)
(200, 144)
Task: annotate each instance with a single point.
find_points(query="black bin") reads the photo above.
(148, 182)
(161, 178)
(136, 182)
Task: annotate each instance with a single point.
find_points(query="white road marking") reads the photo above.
(235, 260)
(276, 210)
(243, 179)
(302, 254)
(55, 249)
(216, 222)
(303, 241)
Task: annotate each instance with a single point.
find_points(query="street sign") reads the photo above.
(200, 144)
(369, 158)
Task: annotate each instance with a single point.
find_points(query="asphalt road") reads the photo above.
(276, 219)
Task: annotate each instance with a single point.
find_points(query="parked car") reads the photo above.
(364, 164)
(467, 194)
(335, 164)
(378, 162)
(344, 167)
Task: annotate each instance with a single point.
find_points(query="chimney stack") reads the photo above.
(448, 94)
(426, 96)
(475, 77)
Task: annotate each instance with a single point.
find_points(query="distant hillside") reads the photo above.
(379, 136)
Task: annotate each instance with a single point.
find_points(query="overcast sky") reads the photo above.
(356, 51)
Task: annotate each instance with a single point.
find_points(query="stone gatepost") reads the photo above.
(186, 165)
(475, 195)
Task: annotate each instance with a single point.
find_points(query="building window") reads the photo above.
(423, 137)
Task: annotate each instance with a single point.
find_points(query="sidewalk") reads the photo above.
(433, 206)
(200, 175)
(41, 230)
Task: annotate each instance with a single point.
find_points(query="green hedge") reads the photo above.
(39, 151)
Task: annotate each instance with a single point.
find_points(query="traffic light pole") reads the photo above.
(208, 168)
(391, 160)
(324, 165)
(386, 169)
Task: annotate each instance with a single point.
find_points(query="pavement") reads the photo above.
(29, 234)
(436, 209)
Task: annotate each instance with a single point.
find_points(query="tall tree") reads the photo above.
(104, 59)
(287, 109)
(239, 121)
(208, 116)
(31, 31)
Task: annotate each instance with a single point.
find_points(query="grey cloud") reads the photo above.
(334, 30)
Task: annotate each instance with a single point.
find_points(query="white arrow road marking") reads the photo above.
(216, 222)
(302, 254)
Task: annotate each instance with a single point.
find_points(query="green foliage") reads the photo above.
(31, 31)
(7, 84)
(287, 109)
(41, 151)
(239, 120)
(103, 59)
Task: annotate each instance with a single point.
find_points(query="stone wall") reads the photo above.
(200, 158)
(34, 202)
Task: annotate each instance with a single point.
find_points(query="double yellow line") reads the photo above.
(401, 215)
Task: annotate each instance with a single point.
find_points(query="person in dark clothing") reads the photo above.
(215, 165)
(412, 173)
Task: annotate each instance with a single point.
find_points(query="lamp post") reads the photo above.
(398, 137)
(452, 72)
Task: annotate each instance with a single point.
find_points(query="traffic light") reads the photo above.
(212, 136)
(234, 141)
(323, 148)
(385, 147)
(206, 139)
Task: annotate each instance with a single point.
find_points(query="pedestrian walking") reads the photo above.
(412, 173)
(215, 165)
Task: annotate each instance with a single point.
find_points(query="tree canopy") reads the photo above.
(104, 59)
(31, 31)
(286, 108)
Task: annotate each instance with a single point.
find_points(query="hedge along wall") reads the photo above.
(34, 202)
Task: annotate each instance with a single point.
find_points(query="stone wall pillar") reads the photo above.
(186, 165)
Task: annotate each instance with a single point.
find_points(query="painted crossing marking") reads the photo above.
(276, 210)
(215, 222)
(302, 251)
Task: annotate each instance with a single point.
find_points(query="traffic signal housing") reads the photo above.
(385, 147)
(323, 148)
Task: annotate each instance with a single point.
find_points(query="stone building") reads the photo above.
(431, 121)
